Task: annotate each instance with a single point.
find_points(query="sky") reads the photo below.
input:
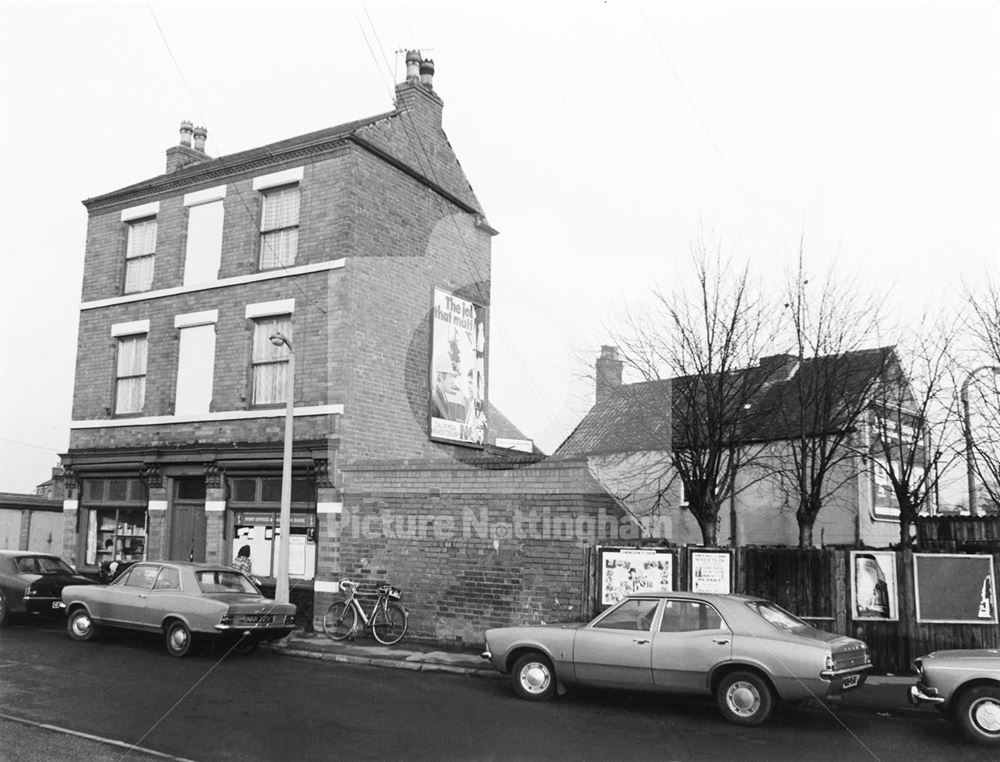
(600, 138)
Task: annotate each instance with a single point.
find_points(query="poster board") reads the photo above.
(955, 588)
(457, 399)
(874, 593)
(710, 571)
(628, 571)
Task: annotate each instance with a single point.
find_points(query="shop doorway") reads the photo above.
(187, 520)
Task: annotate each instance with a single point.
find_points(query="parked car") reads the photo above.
(965, 687)
(746, 652)
(32, 583)
(183, 601)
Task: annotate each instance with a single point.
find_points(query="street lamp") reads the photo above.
(285, 522)
(969, 455)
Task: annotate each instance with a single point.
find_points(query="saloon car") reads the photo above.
(746, 652)
(182, 601)
(965, 687)
(32, 583)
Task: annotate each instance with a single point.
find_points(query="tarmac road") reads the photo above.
(267, 706)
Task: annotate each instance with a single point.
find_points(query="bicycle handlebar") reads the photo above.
(346, 585)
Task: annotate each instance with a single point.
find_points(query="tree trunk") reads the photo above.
(805, 533)
(709, 534)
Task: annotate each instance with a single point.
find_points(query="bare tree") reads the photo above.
(832, 323)
(914, 419)
(703, 335)
(981, 390)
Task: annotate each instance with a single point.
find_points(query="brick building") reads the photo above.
(352, 242)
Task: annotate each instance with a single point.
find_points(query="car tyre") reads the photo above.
(978, 712)
(533, 677)
(745, 698)
(80, 626)
(178, 638)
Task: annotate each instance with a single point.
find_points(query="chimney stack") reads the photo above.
(416, 96)
(184, 153)
(200, 134)
(608, 373)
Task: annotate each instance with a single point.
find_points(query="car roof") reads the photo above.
(700, 596)
(23, 553)
(196, 566)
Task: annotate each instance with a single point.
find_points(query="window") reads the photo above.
(204, 242)
(629, 615)
(270, 362)
(279, 227)
(142, 576)
(689, 616)
(169, 579)
(130, 375)
(140, 255)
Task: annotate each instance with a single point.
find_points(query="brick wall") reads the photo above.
(474, 547)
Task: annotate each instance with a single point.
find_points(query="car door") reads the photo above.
(615, 650)
(127, 604)
(692, 638)
(162, 599)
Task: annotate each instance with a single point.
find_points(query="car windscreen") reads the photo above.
(42, 565)
(775, 615)
(219, 581)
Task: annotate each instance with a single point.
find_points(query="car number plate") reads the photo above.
(851, 681)
(257, 618)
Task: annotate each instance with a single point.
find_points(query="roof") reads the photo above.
(380, 135)
(634, 418)
(17, 500)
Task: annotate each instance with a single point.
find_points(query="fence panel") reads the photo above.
(801, 580)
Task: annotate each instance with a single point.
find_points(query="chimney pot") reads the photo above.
(200, 134)
(427, 74)
(412, 65)
(186, 129)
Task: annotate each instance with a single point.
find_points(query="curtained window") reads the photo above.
(279, 227)
(140, 255)
(130, 375)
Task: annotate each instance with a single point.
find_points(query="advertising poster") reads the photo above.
(458, 370)
(626, 571)
(711, 572)
(873, 585)
(954, 588)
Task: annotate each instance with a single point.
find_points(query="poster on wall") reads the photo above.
(955, 588)
(873, 585)
(626, 571)
(458, 370)
(710, 572)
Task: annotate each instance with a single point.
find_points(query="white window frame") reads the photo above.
(127, 332)
(274, 356)
(141, 258)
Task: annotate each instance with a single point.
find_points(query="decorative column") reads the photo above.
(217, 550)
(71, 514)
(157, 508)
(329, 527)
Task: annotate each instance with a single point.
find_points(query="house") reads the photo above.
(360, 256)
(629, 434)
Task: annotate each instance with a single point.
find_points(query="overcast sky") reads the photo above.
(599, 137)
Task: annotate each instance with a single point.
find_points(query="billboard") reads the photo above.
(955, 588)
(628, 571)
(873, 585)
(710, 571)
(458, 370)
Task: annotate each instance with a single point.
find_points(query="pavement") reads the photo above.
(881, 694)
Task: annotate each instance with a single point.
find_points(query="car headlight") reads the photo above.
(829, 661)
(30, 592)
(227, 619)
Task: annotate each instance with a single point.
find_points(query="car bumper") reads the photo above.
(43, 606)
(920, 695)
(256, 633)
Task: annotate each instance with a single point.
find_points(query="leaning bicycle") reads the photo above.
(387, 619)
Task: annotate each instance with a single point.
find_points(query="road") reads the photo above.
(264, 706)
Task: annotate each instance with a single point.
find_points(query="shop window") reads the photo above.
(115, 520)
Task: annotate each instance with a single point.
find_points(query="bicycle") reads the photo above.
(387, 620)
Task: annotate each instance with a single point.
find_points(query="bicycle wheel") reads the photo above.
(340, 620)
(389, 623)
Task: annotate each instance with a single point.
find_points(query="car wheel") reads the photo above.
(978, 712)
(80, 626)
(178, 639)
(745, 699)
(533, 677)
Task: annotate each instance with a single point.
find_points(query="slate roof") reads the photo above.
(629, 419)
